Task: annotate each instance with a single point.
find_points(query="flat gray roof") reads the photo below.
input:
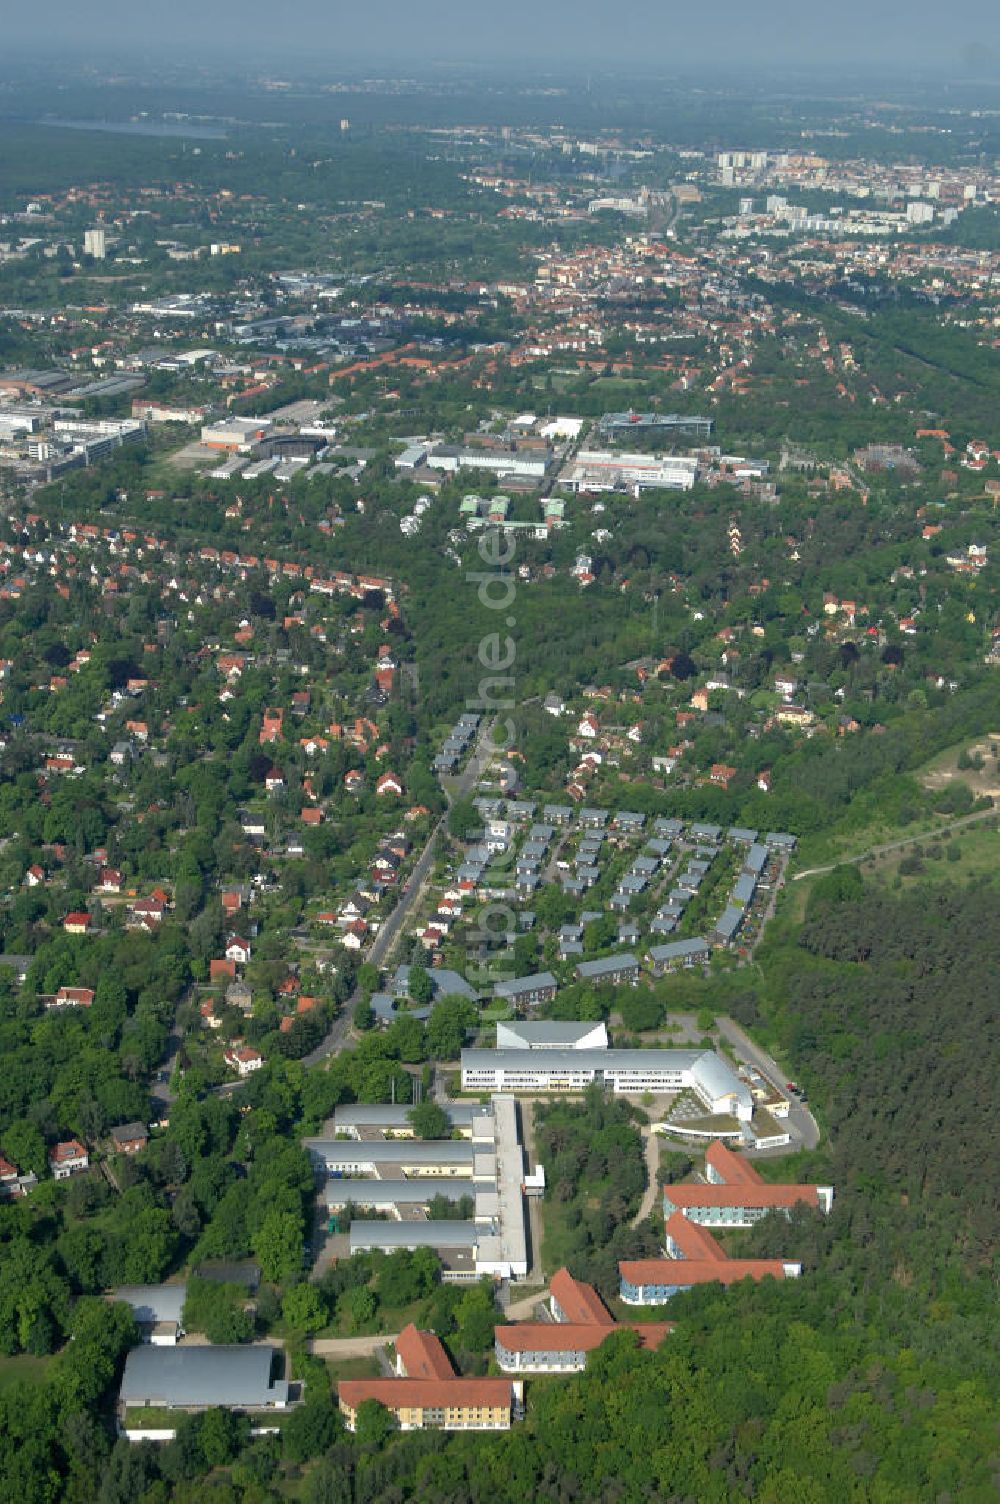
(413, 1235)
(151, 1303)
(450, 1151)
(756, 857)
(444, 982)
(191, 1377)
(729, 922)
(544, 1033)
(367, 1115)
(416, 1192)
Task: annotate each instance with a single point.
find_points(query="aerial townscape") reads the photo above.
(499, 755)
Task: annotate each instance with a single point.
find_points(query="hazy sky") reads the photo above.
(657, 33)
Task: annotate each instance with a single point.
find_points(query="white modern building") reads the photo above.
(527, 464)
(611, 470)
(624, 1071)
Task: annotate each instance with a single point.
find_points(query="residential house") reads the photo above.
(129, 1138)
(68, 1158)
(271, 728)
(72, 997)
(616, 971)
(243, 1059)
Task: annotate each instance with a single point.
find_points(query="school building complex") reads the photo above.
(580, 1323)
(374, 1163)
(733, 1195)
(551, 1057)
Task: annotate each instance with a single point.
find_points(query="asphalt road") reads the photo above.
(454, 789)
(800, 1118)
(160, 1091)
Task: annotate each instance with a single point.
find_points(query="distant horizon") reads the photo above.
(652, 36)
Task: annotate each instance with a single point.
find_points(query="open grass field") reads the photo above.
(24, 1369)
(978, 855)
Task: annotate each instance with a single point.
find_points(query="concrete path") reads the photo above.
(524, 1309)
(350, 1347)
(651, 1150)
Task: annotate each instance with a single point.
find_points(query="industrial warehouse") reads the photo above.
(373, 1163)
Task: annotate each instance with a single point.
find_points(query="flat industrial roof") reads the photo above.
(334, 1151)
(152, 1303)
(182, 1377)
(384, 1115)
(415, 1192)
(413, 1235)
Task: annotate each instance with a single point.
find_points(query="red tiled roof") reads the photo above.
(422, 1355)
(693, 1241)
(698, 1271)
(733, 1169)
(82, 995)
(438, 1394)
(564, 1336)
(650, 1333)
(697, 1196)
(69, 1149)
(579, 1303)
